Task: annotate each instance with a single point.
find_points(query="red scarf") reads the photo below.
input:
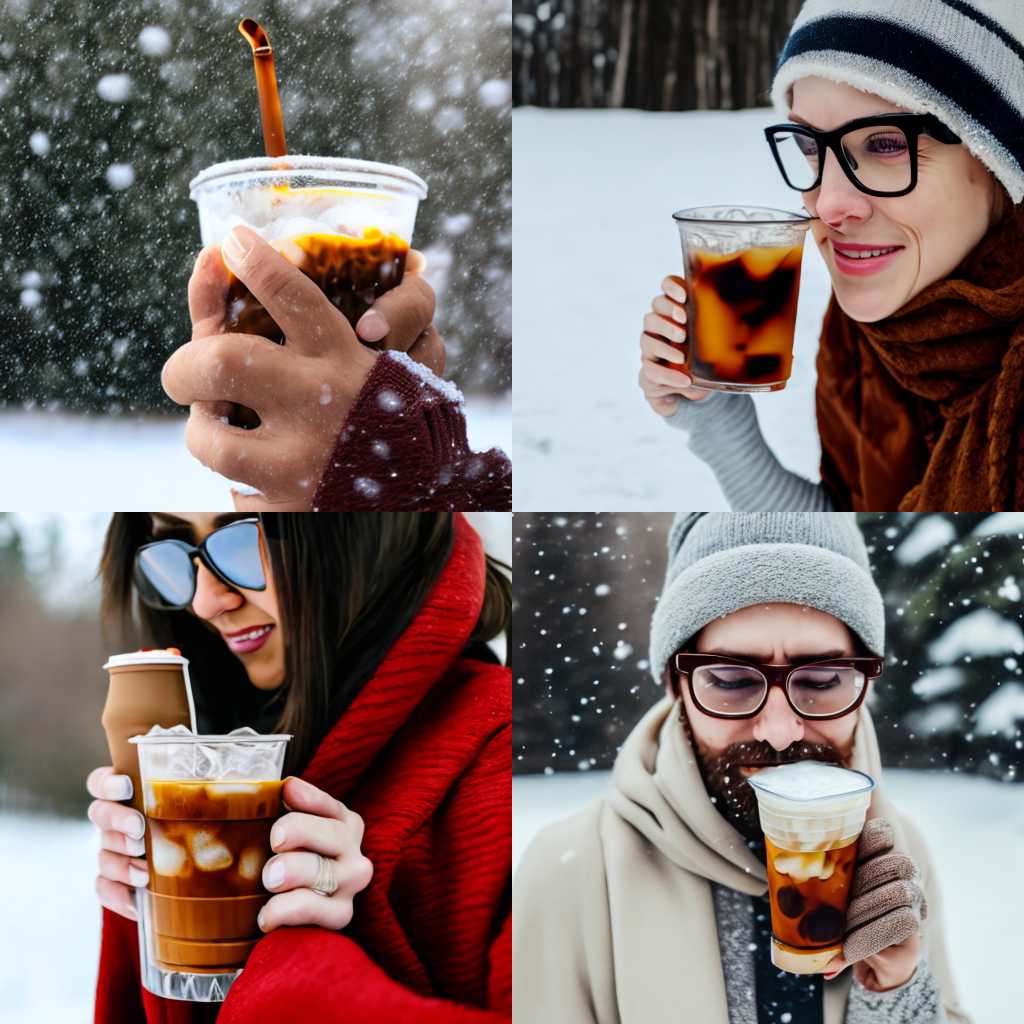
(424, 755)
(924, 410)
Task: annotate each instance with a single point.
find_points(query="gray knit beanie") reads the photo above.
(719, 562)
(962, 60)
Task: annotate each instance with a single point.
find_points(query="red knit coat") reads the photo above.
(403, 447)
(424, 755)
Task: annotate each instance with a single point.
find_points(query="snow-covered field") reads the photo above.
(50, 934)
(975, 831)
(593, 237)
(53, 461)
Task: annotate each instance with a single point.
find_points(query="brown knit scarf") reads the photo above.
(924, 410)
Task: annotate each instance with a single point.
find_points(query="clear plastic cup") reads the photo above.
(347, 224)
(210, 803)
(742, 269)
(812, 815)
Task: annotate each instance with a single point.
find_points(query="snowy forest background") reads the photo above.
(951, 695)
(108, 110)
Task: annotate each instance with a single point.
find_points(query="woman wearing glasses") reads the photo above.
(364, 635)
(650, 904)
(905, 135)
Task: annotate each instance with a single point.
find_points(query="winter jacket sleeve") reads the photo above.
(723, 432)
(324, 976)
(403, 447)
(118, 987)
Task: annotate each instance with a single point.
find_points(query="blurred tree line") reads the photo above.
(108, 110)
(951, 696)
(51, 686)
(653, 54)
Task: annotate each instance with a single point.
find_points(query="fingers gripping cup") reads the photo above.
(812, 815)
(210, 803)
(742, 268)
(347, 224)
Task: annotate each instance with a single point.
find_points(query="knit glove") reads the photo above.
(887, 904)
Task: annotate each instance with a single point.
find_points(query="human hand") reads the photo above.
(887, 908)
(317, 848)
(122, 846)
(663, 340)
(300, 393)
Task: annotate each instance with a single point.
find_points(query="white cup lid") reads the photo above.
(158, 657)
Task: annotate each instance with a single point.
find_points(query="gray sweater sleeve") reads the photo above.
(917, 1001)
(722, 431)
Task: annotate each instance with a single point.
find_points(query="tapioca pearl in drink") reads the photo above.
(821, 925)
(790, 901)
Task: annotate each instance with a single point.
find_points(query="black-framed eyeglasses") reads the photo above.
(736, 688)
(165, 571)
(878, 154)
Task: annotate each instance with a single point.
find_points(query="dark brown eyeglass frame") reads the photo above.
(776, 675)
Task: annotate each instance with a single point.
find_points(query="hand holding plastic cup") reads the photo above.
(812, 815)
(347, 224)
(742, 269)
(210, 803)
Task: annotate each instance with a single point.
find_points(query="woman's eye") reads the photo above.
(887, 145)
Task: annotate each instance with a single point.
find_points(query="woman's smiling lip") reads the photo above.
(861, 266)
(245, 641)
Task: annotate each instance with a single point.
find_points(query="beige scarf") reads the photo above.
(613, 919)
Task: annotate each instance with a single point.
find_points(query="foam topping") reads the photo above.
(810, 780)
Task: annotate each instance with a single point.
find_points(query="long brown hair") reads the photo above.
(348, 584)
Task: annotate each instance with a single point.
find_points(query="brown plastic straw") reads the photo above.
(266, 85)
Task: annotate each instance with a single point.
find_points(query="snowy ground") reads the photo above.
(49, 943)
(593, 237)
(55, 461)
(975, 831)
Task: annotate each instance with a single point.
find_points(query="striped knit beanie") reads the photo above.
(962, 60)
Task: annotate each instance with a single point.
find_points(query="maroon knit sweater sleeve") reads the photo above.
(404, 447)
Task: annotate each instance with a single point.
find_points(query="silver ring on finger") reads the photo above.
(326, 884)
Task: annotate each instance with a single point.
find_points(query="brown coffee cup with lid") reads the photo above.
(147, 687)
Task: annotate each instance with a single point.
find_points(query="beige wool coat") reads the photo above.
(613, 920)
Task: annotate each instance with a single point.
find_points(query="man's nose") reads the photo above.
(838, 198)
(778, 724)
(213, 596)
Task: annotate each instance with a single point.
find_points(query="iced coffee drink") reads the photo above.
(346, 224)
(742, 268)
(812, 815)
(210, 803)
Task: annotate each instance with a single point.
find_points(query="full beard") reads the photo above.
(728, 788)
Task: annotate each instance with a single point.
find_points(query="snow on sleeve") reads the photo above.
(446, 388)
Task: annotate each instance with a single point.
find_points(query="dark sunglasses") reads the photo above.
(878, 154)
(733, 688)
(165, 571)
